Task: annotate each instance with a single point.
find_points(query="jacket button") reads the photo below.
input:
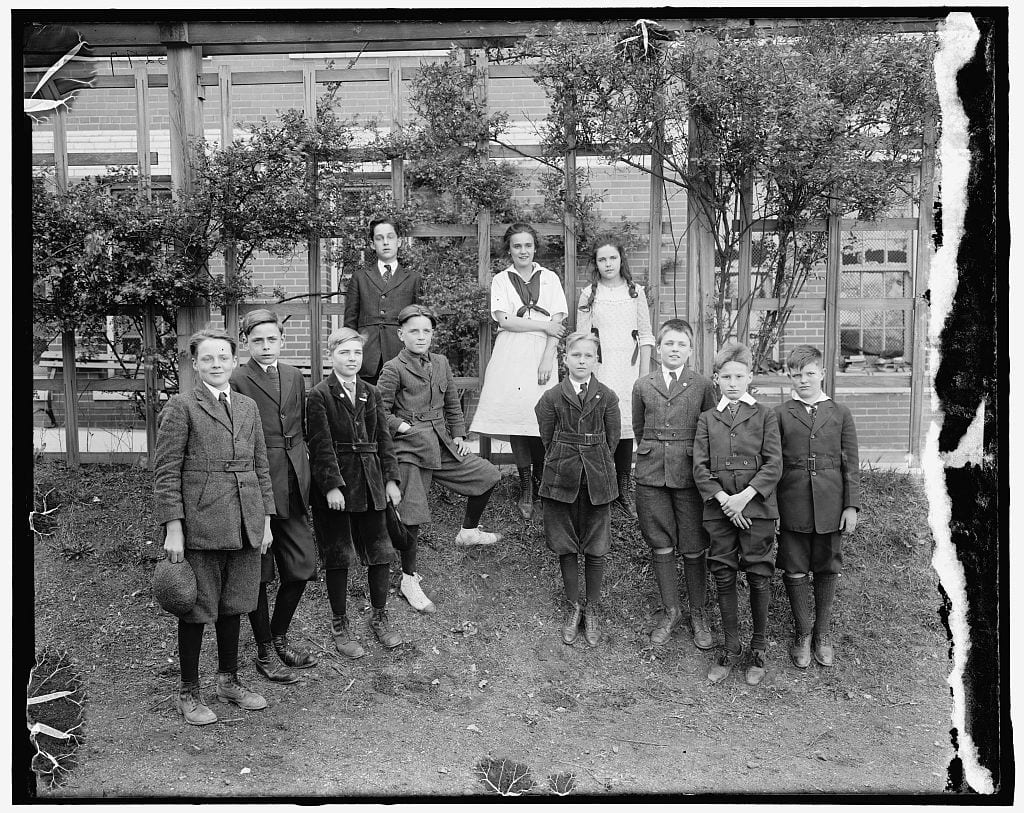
(732, 435)
(382, 313)
(814, 473)
(812, 437)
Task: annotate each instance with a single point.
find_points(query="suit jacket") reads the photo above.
(193, 482)
(332, 420)
(559, 410)
(813, 501)
(372, 308)
(664, 427)
(408, 390)
(284, 425)
(725, 453)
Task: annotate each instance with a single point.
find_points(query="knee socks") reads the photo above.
(227, 643)
(521, 451)
(695, 567)
(337, 590)
(798, 588)
(570, 576)
(594, 570)
(725, 579)
(378, 576)
(665, 575)
(190, 642)
(288, 596)
(760, 593)
(824, 594)
(475, 507)
(409, 556)
(537, 459)
(623, 457)
(260, 618)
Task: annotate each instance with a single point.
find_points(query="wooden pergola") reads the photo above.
(185, 41)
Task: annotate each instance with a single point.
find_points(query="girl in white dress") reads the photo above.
(615, 308)
(528, 303)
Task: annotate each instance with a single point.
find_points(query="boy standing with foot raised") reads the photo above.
(819, 497)
(280, 394)
(423, 410)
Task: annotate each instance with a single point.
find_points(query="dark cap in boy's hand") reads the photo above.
(174, 586)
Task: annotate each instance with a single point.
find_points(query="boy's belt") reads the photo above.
(210, 464)
(435, 414)
(578, 439)
(286, 442)
(379, 321)
(666, 435)
(737, 462)
(810, 463)
(356, 448)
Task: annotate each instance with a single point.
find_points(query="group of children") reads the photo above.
(241, 457)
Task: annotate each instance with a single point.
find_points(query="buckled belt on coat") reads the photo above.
(654, 434)
(356, 448)
(810, 463)
(430, 415)
(377, 321)
(211, 464)
(736, 462)
(584, 439)
(287, 442)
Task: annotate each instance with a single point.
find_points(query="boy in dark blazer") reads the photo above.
(376, 294)
(666, 406)
(819, 497)
(579, 426)
(425, 418)
(737, 462)
(213, 495)
(354, 471)
(280, 394)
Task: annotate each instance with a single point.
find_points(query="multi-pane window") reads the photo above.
(875, 265)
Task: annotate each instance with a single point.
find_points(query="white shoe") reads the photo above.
(474, 536)
(414, 594)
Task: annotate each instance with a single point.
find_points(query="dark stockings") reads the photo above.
(190, 643)
(475, 507)
(623, 457)
(227, 643)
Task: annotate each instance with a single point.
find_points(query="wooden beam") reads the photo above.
(569, 227)
(483, 251)
(921, 273)
(67, 345)
(655, 226)
(743, 280)
(227, 136)
(846, 224)
(397, 164)
(95, 159)
(314, 307)
(832, 271)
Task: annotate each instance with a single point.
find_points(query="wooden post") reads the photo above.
(227, 135)
(832, 272)
(569, 224)
(397, 164)
(743, 281)
(316, 366)
(657, 211)
(922, 268)
(149, 339)
(67, 337)
(483, 250)
(185, 117)
(699, 259)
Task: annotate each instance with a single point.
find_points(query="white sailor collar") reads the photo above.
(746, 398)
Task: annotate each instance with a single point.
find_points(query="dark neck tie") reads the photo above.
(350, 390)
(274, 379)
(813, 411)
(223, 398)
(734, 408)
(674, 382)
(387, 272)
(583, 392)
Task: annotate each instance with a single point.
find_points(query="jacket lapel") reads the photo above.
(215, 410)
(825, 411)
(593, 397)
(569, 392)
(722, 415)
(743, 412)
(798, 411)
(338, 392)
(657, 380)
(413, 365)
(397, 278)
(259, 378)
(373, 275)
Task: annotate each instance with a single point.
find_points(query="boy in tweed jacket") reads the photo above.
(666, 406)
(213, 495)
(819, 497)
(737, 461)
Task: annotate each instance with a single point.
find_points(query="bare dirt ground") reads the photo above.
(416, 721)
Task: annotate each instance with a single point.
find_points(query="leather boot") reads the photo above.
(623, 502)
(344, 641)
(591, 625)
(669, 621)
(191, 705)
(381, 627)
(702, 638)
(292, 656)
(525, 501)
(270, 667)
(571, 627)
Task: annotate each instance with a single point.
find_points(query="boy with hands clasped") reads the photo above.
(819, 497)
(737, 461)
(355, 471)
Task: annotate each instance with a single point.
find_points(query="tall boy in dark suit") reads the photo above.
(354, 472)
(737, 461)
(376, 294)
(819, 497)
(280, 393)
